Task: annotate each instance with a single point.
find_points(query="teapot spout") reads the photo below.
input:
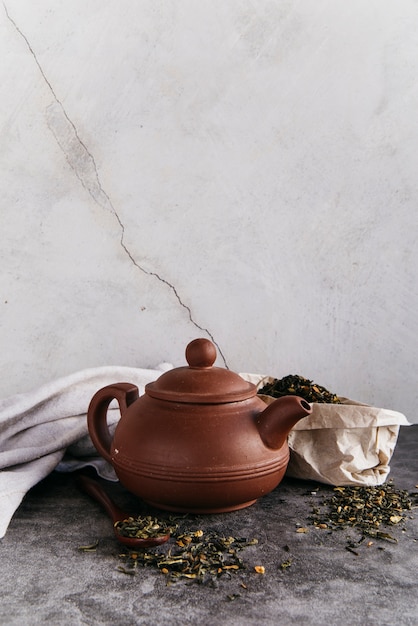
(279, 417)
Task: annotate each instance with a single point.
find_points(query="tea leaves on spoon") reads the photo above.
(144, 527)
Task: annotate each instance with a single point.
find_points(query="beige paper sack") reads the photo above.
(341, 444)
(344, 444)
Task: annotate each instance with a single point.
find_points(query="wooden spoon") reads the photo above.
(96, 491)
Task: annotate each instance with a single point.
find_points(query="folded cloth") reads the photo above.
(37, 428)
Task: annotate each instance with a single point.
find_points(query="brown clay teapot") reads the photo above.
(199, 440)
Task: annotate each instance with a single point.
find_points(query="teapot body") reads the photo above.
(199, 440)
(195, 458)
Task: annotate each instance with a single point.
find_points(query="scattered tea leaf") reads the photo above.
(364, 508)
(129, 572)
(386, 536)
(194, 556)
(89, 548)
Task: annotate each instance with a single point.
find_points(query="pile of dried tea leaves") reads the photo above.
(196, 556)
(144, 527)
(367, 509)
(294, 385)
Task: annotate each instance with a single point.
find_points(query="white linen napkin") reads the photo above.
(37, 428)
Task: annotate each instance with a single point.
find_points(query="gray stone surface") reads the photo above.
(46, 578)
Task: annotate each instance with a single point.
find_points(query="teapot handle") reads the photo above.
(125, 394)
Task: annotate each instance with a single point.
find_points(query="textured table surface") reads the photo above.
(46, 578)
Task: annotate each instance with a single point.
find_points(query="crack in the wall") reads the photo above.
(83, 164)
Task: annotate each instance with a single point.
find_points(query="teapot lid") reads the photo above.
(200, 382)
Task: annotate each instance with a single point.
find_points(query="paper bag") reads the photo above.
(344, 444)
(341, 444)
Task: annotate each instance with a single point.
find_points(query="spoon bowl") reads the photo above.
(96, 491)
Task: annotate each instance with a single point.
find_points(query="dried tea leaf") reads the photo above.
(364, 508)
(194, 556)
(129, 572)
(295, 385)
(233, 596)
(89, 548)
(144, 527)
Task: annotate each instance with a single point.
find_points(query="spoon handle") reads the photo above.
(96, 491)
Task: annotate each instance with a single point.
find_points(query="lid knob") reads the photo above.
(201, 353)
